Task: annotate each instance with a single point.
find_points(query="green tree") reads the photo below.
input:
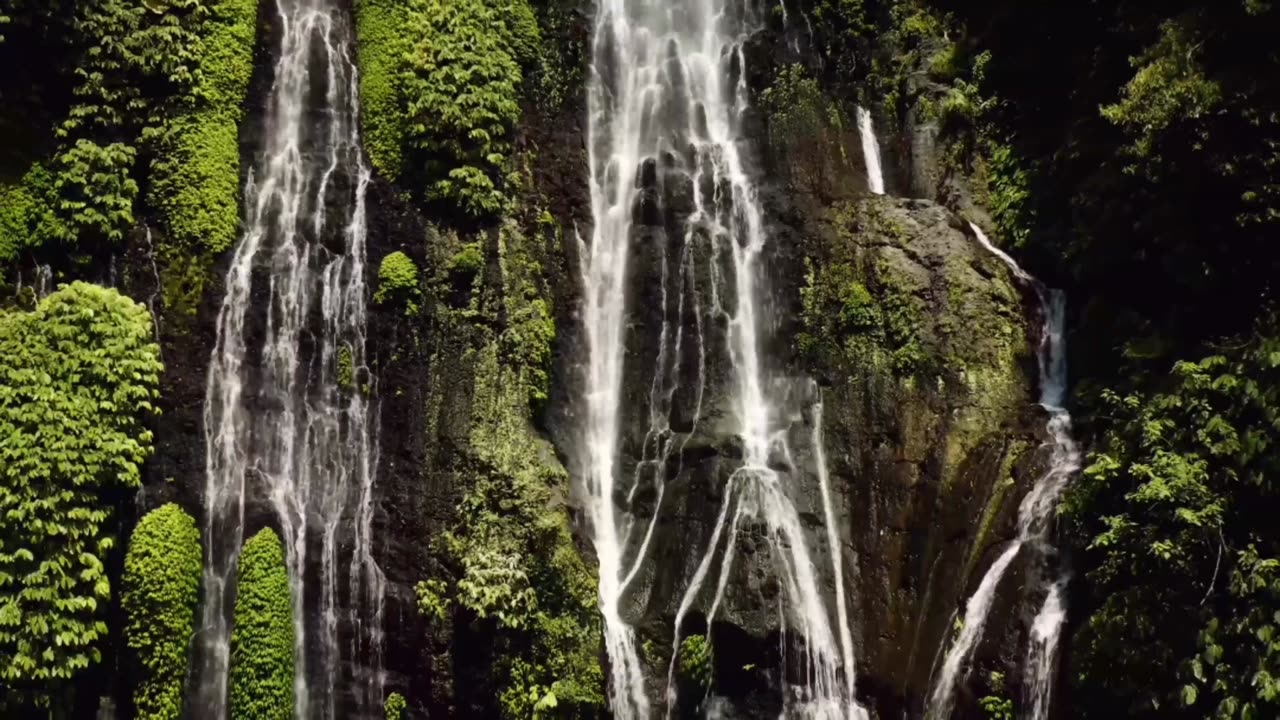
(77, 378)
(398, 282)
(1184, 562)
(161, 589)
(262, 638)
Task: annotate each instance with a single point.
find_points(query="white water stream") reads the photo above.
(668, 79)
(288, 420)
(1034, 518)
(870, 151)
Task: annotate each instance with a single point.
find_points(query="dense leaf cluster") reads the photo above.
(194, 173)
(262, 638)
(77, 377)
(442, 92)
(161, 588)
(1175, 509)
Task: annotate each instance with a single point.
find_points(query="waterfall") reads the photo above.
(870, 151)
(1042, 651)
(668, 86)
(1034, 514)
(288, 421)
(156, 289)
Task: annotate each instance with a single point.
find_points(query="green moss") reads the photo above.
(848, 321)
(80, 373)
(346, 367)
(398, 282)
(382, 28)
(195, 171)
(395, 706)
(262, 639)
(1004, 484)
(511, 561)
(161, 589)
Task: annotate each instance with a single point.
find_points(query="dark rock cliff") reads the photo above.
(927, 394)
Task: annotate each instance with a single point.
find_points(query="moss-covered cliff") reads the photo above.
(1136, 168)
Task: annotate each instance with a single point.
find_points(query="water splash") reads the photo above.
(287, 416)
(870, 151)
(1042, 651)
(668, 85)
(1035, 513)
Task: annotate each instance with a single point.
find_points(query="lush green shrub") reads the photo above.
(462, 89)
(1184, 565)
(161, 590)
(77, 376)
(441, 92)
(1169, 87)
(695, 661)
(262, 652)
(195, 175)
(383, 29)
(398, 282)
(23, 207)
(395, 706)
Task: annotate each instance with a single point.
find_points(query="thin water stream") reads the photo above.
(668, 85)
(1035, 515)
(288, 417)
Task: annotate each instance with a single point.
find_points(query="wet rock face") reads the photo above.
(917, 347)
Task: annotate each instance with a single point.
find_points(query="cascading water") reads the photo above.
(288, 420)
(870, 151)
(668, 85)
(1034, 516)
(1042, 651)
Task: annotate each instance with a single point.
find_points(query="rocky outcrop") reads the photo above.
(885, 313)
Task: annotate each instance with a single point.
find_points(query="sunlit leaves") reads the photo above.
(1184, 542)
(262, 638)
(161, 588)
(77, 376)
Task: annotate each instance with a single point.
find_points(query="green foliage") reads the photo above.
(1008, 192)
(398, 282)
(844, 320)
(797, 106)
(23, 208)
(383, 28)
(124, 46)
(462, 90)
(441, 86)
(395, 706)
(262, 639)
(77, 377)
(840, 30)
(696, 663)
(95, 192)
(1184, 542)
(161, 589)
(195, 166)
(139, 77)
(1170, 87)
(467, 261)
(509, 564)
(195, 173)
(997, 707)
